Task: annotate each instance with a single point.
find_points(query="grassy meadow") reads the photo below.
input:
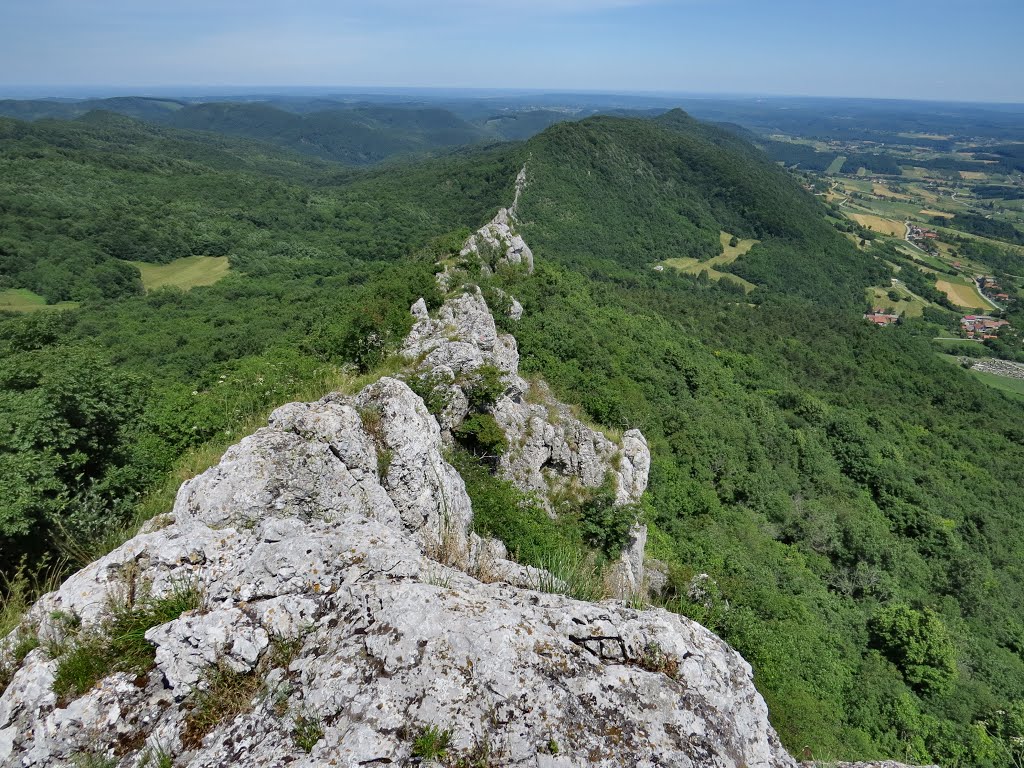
(185, 273)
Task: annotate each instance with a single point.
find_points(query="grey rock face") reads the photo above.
(297, 534)
(549, 446)
(627, 577)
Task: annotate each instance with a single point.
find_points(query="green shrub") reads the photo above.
(482, 436)
(432, 391)
(483, 387)
(918, 643)
(604, 524)
(501, 510)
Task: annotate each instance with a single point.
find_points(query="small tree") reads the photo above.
(918, 643)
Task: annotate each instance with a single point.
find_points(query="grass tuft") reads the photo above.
(157, 757)
(226, 695)
(119, 644)
(568, 571)
(432, 743)
(307, 732)
(93, 759)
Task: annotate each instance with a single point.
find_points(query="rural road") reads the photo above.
(977, 283)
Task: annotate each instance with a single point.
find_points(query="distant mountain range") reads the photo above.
(354, 134)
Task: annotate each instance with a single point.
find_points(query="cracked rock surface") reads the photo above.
(549, 446)
(499, 235)
(297, 535)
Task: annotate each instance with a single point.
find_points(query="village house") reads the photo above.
(881, 318)
(981, 326)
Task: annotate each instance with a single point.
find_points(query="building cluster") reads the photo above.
(991, 288)
(920, 234)
(981, 326)
(880, 317)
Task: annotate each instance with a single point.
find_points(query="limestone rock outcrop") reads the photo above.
(499, 235)
(303, 538)
(548, 445)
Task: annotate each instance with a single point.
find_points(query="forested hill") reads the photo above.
(351, 134)
(358, 136)
(830, 497)
(81, 198)
(853, 500)
(642, 191)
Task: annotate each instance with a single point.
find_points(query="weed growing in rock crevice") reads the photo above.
(307, 732)
(432, 743)
(373, 424)
(225, 694)
(655, 659)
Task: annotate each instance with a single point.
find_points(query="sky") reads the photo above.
(965, 50)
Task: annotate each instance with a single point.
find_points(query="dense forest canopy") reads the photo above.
(853, 501)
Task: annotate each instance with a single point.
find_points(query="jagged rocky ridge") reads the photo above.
(497, 242)
(340, 533)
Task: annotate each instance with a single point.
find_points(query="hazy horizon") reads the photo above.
(206, 92)
(954, 52)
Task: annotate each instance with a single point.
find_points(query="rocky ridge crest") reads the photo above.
(344, 594)
(498, 238)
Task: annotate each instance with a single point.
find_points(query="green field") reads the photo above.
(728, 256)
(1013, 387)
(962, 292)
(836, 165)
(954, 342)
(24, 300)
(731, 252)
(1007, 384)
(185, 273)
(908, 304)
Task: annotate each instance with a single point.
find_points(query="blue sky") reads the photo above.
(941, 49)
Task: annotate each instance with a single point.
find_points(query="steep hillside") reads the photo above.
(849, 496)
(613, 193)
(103, 400)
(319, 597)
